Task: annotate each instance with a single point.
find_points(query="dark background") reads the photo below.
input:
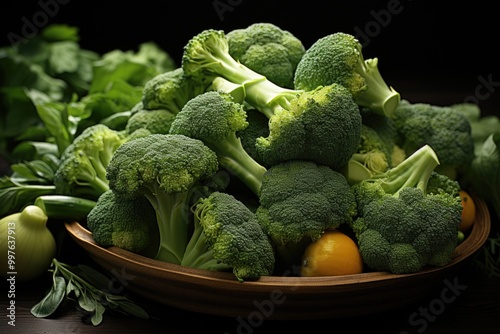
(443, 49)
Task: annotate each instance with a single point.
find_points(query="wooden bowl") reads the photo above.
(276, 297)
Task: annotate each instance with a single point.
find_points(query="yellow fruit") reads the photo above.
(468, 211)
(334, 253)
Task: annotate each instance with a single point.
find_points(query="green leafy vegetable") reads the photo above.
(88, 287)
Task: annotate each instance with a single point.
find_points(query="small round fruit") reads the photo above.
(333, 254)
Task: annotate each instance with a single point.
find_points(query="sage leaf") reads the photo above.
(97, 317)
(133, 309)
(52, 299)
(86, 303)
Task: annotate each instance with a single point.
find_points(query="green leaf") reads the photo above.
(64, 57)
(14, 195)
(60, 32)
(31, 150)
(52, 299)
(96, 318)
(133, 309)
(87, 302)
(74, 287)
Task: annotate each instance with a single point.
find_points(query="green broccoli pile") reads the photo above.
(248, 150)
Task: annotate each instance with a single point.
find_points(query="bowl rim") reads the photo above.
(474, 240)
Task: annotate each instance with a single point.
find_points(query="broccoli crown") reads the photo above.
(167, 169)
(404, 220)
(300, 199)
(171, 90)
(332, 58)
(214, 118)
(122, 222)
(372, 152)
(210, 117)
(405, 233)
(268, 50)
(82, 167)
(232, 236)
(439, 183)
(172, 163)
(156, 121)
(322, 125)
(447, 131)
(258, 126)
(413, 172)
(338, 58)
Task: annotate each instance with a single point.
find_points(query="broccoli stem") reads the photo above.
(172, 211)
(198, 254)
(414, 171)
(237, 161)
(378, 97)
(260, 92)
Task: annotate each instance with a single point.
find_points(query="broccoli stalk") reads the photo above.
(214, 118)
(412, 172)
(207, 55)
(321, 125)
(228, 236)
(267, 49)
(167, 169)
(402, 225)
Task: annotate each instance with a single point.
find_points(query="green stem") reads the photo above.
(414, 171)
(378, 97)
(172, 216)
(237, 161)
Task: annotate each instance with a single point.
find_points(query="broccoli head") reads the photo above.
(298, 201)
(338, 58)
(258, 126)
(228, 236)
(171, 90)
(447, 131)
(167, 169)
(82, 167)
(156, 121)
(401, 226)
(268, 50)
(321, 125)
(214, 118)
(123, 222)
(372, 156)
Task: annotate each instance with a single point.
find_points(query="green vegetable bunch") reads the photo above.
(401, 226)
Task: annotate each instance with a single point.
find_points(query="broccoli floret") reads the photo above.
(166, 169)
(439, 183)
(156, 121)
(447, 131)
(268, 50)
(258, 126)
(82, 167)
(401, 226)
(214, 118)
(322, 125)
(171, 90)
(123, 222)
(338, 58)
(298, 201)
(371, 157)
(228, 236)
